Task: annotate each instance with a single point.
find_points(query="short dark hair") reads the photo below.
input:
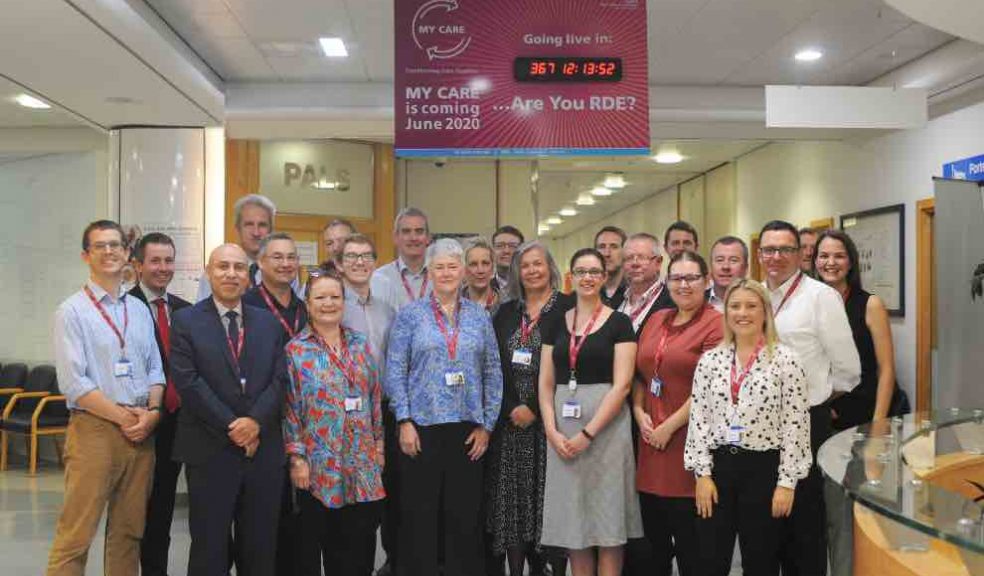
(807, 230)
(729, 241)
(587, 252)
(682, 226)
(151, 238)
(102, 225)
(614, 230)
(341, 222)
(780, 226)
(854, 275)
(357, 238)
(507, 229)
(688, 256)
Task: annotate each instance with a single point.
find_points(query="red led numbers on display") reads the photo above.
(567, 69)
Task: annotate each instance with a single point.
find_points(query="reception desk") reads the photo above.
(905, 496)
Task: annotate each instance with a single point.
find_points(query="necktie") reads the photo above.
(252, 273)
(233, 333)
(171, 399)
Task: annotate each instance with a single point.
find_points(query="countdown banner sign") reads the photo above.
(521, 77)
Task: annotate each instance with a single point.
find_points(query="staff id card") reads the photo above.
(522, 357)
(656, 386)
(733, 436)
(571, 409)
(123, 369)
(454, 378)
(353, 404)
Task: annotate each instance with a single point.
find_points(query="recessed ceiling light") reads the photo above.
(333, 47)
(614, 181)
(585, 200)
(601, 191)
(555, 220)
(809, 55)
(568, 211)
(28, 101)
(668, 158)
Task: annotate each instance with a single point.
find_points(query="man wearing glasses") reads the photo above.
(505, 241)
(109, 369)
(369, 306)
(810, 319)
(645, 292)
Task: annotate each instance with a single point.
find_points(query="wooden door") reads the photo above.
(925, 303)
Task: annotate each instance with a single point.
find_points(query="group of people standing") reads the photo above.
(461, 400)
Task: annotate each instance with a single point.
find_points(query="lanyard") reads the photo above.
(789, 293)
(634, 312)
(490, 299)
(343, 362)
(237, 350)
(450, 337)
(121, 336)
(663, 344)
(406, 286)
(738, 380)
(276, 312)
(526, 328)
(576, 342)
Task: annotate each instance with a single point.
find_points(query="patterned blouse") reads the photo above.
(772, 408)
(340, 446)
(418, 365)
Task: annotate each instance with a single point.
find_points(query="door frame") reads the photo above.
(925, 303)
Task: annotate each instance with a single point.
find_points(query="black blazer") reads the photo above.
(663, 302)
(203, 370)
(176, 304)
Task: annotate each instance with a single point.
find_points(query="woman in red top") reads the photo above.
(669, 347)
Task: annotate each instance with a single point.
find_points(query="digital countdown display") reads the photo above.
(567, 69)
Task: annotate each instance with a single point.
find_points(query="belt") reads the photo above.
(730, 450)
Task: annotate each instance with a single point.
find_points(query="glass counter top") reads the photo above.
(890, 467)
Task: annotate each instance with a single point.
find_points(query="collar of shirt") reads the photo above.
(222, 309)
(629, 301)
(152, 295)
(779, 293)
(354, 297)
(402, 268)
(101, 294)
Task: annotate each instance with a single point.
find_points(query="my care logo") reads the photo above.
(435, 32)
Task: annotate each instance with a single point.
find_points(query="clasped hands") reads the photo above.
(656, 436)
(138, 423)
(568, 448)
(245, 433)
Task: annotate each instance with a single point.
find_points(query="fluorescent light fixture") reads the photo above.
(542, 229)
(615, 181)
(568, 211)
(585, 200)
(668, 158)
(809, 55)
(28, 101)
(601, 191)
(333, 47)
(555, 220)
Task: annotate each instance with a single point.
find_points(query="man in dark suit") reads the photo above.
(154, 260)
(228, 364)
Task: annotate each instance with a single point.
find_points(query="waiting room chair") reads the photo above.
(12, 378)
(37, 411)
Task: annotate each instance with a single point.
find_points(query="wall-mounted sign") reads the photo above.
(318, 177)
(967, 169)
(521, 77)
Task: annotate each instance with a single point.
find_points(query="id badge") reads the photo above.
(572, 384)
(656, 386)
(571, 409)
(123, 369)
(242, 383)
(454, 378)
(353, 404)
(522, 357)
(733, 436)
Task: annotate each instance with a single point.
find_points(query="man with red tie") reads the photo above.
(154, 258)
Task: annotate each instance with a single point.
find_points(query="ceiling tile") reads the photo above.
(265, 20)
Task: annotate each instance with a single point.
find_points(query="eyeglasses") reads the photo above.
(504, 245)
(585, 272)
(281, 258)
(773, 251)
(112, 246)
(639, 258)
(684, 279)
(353, 257)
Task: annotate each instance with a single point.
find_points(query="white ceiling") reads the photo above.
(692, 42)
(13, 115)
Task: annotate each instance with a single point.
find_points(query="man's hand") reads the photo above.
(243, 431)
(251, 448)
(479, 442)
(125, 417)
(146, 421)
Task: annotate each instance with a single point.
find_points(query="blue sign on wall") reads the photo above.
(966, 169)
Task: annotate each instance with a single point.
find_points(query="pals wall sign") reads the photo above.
(521, 77)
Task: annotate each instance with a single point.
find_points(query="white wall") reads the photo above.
(45, 203)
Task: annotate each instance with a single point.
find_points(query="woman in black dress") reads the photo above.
(517, 459)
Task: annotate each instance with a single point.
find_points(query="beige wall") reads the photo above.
(720, 194)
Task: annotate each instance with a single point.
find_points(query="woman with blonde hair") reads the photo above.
(748, 442)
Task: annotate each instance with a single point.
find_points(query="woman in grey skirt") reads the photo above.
(590, 503)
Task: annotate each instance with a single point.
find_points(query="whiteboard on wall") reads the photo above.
(160, 183)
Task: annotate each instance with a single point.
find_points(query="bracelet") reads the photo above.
(587, 434)
(157, 408)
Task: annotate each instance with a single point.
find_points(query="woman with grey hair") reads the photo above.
(517, 462)
(444, 382)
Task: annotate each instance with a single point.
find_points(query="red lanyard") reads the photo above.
(276, 312)
(526, 329)
(121, 336)
(237, 350)
(490, 299)
(450, 337)
(576, 341)
(406, 286)
(789, 293)
(344, 363)
(663, 344)
(636, 311)
(738, 380)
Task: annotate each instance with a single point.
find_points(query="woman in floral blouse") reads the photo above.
(334, 434)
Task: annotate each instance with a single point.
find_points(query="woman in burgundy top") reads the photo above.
(669, 348)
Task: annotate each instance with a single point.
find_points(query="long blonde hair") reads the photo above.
(771, 336)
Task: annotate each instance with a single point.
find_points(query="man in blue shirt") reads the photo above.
(109, 369)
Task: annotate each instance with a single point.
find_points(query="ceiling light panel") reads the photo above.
(28, 101)
(808, 55)
(333, 47)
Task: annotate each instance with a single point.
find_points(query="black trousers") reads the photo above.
(290, 544)
(342, 540)
(160, 507)
(390, 529)
(804, 547)
(745, 482)
(671, 529)
(442, 500)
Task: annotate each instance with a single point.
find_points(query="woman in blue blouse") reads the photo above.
(444, 382)
(333, 432)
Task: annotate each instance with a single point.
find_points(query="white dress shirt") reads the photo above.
(638, 309)
(814, 324)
